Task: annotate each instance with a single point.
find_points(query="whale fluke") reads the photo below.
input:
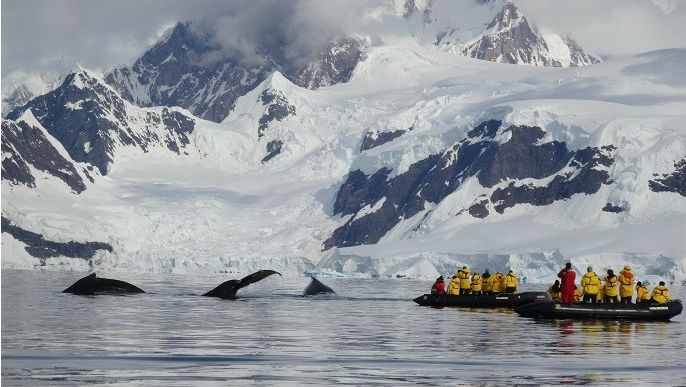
(316, 287)
(91, 284)
(228, 289)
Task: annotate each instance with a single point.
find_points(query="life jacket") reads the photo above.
(611, 288)
(642, 293)
(578, 293)
(498, 286)
(465, 282)
(510, 281)
(555, 294)
(454, 286)
(476, 282)
(660, 294)
(626, 279)
(487, 282)
(438, 287)
(601, 294)
(591, 283)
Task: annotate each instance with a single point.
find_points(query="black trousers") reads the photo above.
(464, 291)
(626, 300)
(510, 289)
(590, 298)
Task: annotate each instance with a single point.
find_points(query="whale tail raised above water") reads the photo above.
(228, 289)
(92, 284)
(317, 287)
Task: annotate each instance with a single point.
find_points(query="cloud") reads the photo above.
(613, 27)
(101, 34)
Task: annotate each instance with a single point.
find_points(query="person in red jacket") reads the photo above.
(567, 286)
(439, 286)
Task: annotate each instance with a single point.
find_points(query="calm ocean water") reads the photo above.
(370, 334)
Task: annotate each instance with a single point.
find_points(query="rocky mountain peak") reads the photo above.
(510, 38)
(509, 17)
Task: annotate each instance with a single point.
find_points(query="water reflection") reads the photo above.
(171, 337)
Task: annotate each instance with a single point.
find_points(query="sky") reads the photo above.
(43, 35)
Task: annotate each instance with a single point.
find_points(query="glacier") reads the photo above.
(219, 204)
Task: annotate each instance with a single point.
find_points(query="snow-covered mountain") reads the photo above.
(510, 38)
(419, 162)
(17, 92)
(180, 70)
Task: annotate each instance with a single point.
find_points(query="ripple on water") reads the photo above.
(171, 337)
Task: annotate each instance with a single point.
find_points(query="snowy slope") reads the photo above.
(227, 206)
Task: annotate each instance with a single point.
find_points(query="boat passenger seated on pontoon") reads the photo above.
(642, 294)
(578, 293)
(438, 287)
(660, 294)
(555, 291)
(498, 286)
(611, 287)
(465, 282)
(591, 284)
(476, 284)
(626, 287)
(454, 285)
(487, 284)
(510, 282)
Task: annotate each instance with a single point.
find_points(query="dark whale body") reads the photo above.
(316, 287)
(228, 289)
(91, 284)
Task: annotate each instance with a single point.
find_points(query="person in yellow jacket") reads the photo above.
(454, 286)
(578, 293)
(611, 287)
(591, 285)
(642, 294)
(465, 281)
(660, 293)
(487, 282)
(601, 295)
(498, 286)
(510, 282)
(476, 283)
(626, 287)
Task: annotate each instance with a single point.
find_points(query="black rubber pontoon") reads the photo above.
(552, 310)
(503, 300)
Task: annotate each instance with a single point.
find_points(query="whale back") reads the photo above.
(91, 284)
(227, 290)
(316, 287)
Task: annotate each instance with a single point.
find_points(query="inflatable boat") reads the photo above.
(502, 300)
(552, 310)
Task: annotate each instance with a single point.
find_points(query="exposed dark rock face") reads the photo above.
(510, 38)
(89, 118)
(577, 55)
(671, 182)
(39, 247)
(178, 71)
(187, 69)
(482, 155)
(335, 66)
(479, 210)
(278, 109)
(374, 139)
(24, 145)
(273, 149)
(609, 207)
